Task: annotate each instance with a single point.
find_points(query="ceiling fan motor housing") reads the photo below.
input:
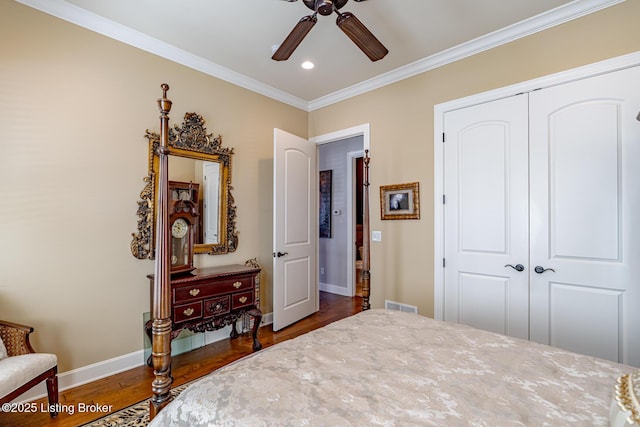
(324, 7)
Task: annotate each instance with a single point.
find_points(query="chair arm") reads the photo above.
(16, 338)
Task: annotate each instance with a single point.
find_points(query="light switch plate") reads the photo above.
(376, 236)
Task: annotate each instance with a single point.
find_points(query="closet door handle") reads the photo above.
(539, 269)
(517, 267)
(281, 254)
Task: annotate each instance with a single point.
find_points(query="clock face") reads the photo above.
(179, 228)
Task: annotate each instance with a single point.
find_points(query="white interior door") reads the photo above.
(583, 208)
(295, 229)
(486, 216)
(585, 216)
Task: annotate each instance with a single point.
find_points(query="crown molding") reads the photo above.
(91, 21)
(552, 18)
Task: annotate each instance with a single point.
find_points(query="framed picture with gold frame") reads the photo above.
(400, 201)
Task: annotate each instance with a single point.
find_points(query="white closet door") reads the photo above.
(585, 216)
(486, 216)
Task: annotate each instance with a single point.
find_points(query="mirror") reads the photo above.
(194, 154)
(199, 182)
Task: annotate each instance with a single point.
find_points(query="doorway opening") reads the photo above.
(339, 259)
(359, 219)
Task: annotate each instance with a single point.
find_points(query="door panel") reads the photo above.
(571, 303)
(583, 175)
(297, 179)
(494, 292)
(482, 187)
(486, 216)
(295, 290)
(584, 157)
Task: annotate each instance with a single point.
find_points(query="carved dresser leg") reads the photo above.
(257, 318)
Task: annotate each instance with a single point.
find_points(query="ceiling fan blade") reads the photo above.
(339, 3)
(361, 36)
(294, 38)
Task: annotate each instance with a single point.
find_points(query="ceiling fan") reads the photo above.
(348, 23)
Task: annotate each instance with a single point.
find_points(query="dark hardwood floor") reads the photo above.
(127, 388)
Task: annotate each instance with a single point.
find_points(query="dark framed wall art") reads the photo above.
(325, 203)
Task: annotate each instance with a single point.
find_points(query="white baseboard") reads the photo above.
(87, 374)
(106, 368)
(334, 289)
(267, 319)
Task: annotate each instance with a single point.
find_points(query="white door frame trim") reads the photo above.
(606, 66)
(361, 130)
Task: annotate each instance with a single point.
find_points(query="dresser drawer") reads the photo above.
(235, 284)
(205, 290)
(216, 306)
(194, 292)
(241, 299)
(185, 312)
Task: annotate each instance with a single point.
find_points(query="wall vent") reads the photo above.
(392, 305)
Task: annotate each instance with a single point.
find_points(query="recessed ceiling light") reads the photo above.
(307, 65)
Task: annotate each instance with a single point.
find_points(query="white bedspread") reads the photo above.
(387, 368)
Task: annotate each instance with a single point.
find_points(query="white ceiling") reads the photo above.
(233, 39)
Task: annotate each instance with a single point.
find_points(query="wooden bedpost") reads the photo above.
(161, 309)
(366, 235)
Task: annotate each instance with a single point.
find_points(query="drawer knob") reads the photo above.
(242, 299)
(188, 311)
(194, 292)
(237, 285)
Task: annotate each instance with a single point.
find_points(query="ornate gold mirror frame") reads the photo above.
(190, 141)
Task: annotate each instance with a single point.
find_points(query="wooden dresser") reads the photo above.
(208, 299)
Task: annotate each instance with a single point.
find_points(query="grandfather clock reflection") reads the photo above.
(183, 220)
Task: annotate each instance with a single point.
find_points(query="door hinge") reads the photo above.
(443, 137)
(444, 262)
(444, 199)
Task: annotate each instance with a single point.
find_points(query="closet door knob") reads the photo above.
(517, 267)
(540, 269)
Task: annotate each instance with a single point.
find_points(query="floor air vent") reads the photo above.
(392, 305)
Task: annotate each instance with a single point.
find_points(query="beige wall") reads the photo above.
(74, 106)
(401, 118)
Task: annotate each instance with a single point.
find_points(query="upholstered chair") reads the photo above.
(21, 368)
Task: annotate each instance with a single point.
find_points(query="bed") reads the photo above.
(387, 368)
(391, 368)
